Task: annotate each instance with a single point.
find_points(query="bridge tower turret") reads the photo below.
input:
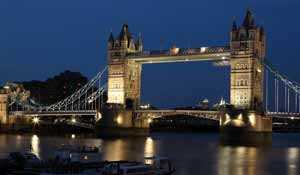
(124, 75)
(247, 43)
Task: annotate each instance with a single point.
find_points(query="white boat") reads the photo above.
(83, 155)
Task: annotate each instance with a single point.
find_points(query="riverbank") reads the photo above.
(123, 132)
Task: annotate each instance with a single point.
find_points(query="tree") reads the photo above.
(55, 88)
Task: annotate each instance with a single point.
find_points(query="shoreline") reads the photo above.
(127, 132)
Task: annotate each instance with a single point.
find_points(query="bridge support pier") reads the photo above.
(116, 121)
(249, 121)
(245, 128)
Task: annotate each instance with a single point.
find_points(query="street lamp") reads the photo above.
(73, 120)
(36, 120)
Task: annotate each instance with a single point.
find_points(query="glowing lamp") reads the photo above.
(252, 119)
(259, 70)
(119, 120)
(73, 120)
(35, 120)
(240, 117)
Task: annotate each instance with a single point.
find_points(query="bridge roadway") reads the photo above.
(182, 55)
(206, 114)
(290, 115)
(212, 115)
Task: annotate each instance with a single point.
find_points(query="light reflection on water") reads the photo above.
(190, 153)
(293, 161)
(238, 161)
(149, 147)
(35, 145)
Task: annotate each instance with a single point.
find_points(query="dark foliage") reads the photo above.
(56, 88)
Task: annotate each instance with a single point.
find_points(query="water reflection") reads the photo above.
(238, 161)
(149, 147)
(190, 153)
(35, 145)
(128, 149)
(114, 150)
(19, 141)
(292, 160)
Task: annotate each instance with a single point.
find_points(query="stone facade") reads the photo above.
(247, 71)
(124, 76)
(247, 52)
(3, 107)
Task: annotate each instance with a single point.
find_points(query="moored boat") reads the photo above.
(152, 166)
(75, 154)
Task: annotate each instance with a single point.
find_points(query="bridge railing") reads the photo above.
(180, 52)
(211, 115)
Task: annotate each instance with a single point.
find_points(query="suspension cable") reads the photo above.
(299, 104)
(285, 97)
(288, 100)
(267, 81)
(296, 105)
(275, 95)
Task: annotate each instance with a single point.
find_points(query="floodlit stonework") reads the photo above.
(247, 71)
(124, 75)
(3, 107)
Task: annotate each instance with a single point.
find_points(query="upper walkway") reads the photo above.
(182, 55)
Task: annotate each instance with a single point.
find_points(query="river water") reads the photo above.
(191, 153)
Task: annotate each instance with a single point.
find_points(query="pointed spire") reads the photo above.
(139, 43)
(139, 40)
(262, 30)
(125, 34)
(249, 19)
(111, 37)
(234, 25)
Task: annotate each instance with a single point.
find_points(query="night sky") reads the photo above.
(41, 38)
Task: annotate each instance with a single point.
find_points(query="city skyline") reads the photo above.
(79, 39)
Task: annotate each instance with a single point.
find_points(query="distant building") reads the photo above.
(220, 104)
(204, 104)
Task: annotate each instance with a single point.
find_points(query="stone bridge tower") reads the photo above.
(3, 107)
(124, 75)
(247, 43)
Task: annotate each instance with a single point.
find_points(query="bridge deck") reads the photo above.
(54, 113)
(212, 115)
(176, 111)
(183, 55)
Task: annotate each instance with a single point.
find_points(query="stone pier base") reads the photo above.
(245, 128)
(119, 122)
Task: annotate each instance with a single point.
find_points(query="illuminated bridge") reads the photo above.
(256, 85)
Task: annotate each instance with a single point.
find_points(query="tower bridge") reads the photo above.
(250, 90)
